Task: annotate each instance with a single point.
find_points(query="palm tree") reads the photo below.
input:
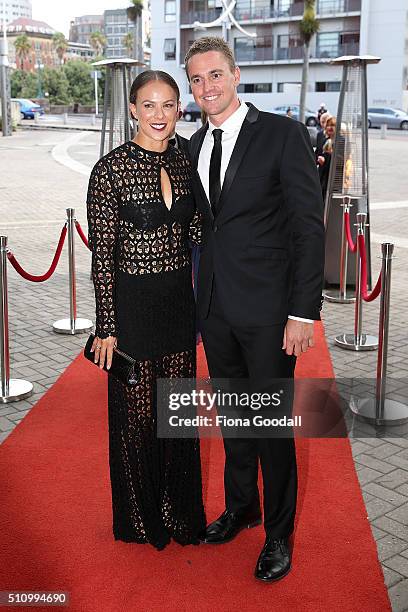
(23, 48)
(98, 42)
(134, 13)
(127, 42)
(60, 45)
(308, 28)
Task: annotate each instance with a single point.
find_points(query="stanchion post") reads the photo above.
(387, 251)
(11, 390)
(341, 295)
(73, 325)
(382, 411)
(71, 267)
(358, 341)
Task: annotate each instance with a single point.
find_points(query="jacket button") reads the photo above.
(215, 228)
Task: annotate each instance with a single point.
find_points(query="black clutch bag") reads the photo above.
(123, 367)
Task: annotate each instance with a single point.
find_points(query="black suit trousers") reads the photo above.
(254, 354)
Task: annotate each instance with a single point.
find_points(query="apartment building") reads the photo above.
(13, 9)
(271, 61)
(82, 27)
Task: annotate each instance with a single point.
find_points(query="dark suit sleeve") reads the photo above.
(302, 193)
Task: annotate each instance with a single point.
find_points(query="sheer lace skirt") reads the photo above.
(156, 482)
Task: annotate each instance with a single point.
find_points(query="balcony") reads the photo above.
(332, 51)
(264, 54)
(324, 8)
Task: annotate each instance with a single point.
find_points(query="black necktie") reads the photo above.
(215, 167)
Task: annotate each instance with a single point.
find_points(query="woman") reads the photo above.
(141, 218)
(324, 160)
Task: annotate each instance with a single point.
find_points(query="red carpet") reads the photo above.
(55, 521)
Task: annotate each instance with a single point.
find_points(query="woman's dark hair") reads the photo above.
(152, 75)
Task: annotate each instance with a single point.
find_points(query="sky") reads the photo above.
(58, 14)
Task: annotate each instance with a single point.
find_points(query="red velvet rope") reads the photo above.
(54, 263)
(367, 297)
(352, 245)
(82, 235)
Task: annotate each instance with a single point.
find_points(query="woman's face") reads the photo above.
(330, 129)
(157, 111)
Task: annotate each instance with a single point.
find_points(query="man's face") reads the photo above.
(213, 84)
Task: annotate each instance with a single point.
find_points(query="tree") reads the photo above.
(308, 28)
(60, 45)
(80, 83)
(23, 48)
(57, 85)
(23, 84)
(134, 13)
(98, 42)
(127, 42)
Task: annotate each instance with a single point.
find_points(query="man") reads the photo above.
(261, 262)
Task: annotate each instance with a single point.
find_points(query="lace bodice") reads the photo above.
(131, 229)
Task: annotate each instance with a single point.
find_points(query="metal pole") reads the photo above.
(358, 341)
(382, 411)
(105, 111)
(10, 389)
(4, 338)
(387, 250)
(341, 295)
(72, 325)
(358, 318)
(6, 124)
(112, 107)
(71, 267)
(96, 92)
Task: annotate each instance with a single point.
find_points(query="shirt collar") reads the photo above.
(234, 121)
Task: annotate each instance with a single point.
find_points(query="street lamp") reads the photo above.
(5, 81)
(40, 66)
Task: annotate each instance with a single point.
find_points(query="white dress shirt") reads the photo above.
(230, 128)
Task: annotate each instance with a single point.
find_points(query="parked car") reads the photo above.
(310, 116)
(192, 112)
(391, 117)
(28, 108)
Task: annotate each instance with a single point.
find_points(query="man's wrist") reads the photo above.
(301, 319)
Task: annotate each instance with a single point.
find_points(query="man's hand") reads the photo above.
(103, 348)
(321, 160)
(297, 337)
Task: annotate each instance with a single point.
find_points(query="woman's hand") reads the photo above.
(103, 348)
(320, 160)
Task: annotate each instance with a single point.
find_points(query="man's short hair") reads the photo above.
(210, 43)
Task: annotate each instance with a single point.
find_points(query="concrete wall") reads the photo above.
(383, 33)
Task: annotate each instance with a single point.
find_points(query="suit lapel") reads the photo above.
(197, 143)
(244, 137)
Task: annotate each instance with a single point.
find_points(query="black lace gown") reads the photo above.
(141, 266)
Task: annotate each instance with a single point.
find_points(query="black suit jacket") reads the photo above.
(265, 248)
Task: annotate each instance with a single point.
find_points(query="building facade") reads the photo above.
(42, 51)
(13, 9)
(271, 61)
(40, 36)
(116, 26)
(82, 27)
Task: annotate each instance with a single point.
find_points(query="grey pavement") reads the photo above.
(44, 172)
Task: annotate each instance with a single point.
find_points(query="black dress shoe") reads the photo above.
(274, 561)
(228, 525)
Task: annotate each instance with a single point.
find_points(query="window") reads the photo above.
(254, 88)
(281, 86)
(169, 49)
(327, 86)
(169, 10)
